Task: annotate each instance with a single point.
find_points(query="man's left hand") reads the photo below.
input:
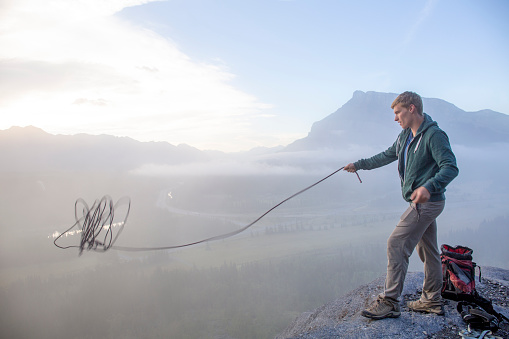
(420, 195)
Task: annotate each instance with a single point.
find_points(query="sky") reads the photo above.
(232, 75)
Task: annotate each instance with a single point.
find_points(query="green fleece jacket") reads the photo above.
(430, 161)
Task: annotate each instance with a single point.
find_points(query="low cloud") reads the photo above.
(219, 168)
(315, 163)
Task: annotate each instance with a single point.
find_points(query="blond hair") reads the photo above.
(409, 98)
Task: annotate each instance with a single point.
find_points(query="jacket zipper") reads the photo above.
(403, 179)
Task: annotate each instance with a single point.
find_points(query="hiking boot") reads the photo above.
(381, 309)
(419, 306)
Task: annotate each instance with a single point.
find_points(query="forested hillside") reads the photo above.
(139, 299)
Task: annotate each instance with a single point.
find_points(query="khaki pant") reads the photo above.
(417, 228)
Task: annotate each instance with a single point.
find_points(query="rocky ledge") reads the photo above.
(342, 318)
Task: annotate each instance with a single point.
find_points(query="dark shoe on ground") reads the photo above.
(419, 306)
(381, 309)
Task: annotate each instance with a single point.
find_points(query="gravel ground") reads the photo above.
(341, 318)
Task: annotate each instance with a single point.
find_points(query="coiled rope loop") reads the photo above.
(99, 219)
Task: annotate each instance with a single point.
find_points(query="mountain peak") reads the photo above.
(342, 318)
(358, 94)
(367, 119)
(18, 131)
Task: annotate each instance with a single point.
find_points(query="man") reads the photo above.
(426, 165)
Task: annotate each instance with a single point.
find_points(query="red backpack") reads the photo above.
(459, 284)
(458, 272)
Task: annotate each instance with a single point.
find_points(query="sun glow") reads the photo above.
(76, 68)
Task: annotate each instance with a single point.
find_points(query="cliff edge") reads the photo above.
(342, 318)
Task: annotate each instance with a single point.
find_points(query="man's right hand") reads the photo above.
(350, 168)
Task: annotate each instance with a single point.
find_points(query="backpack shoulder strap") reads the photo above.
(476, 317)
(487, 306)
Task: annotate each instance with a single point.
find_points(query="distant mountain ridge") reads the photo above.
(30, 149)
(366, 120)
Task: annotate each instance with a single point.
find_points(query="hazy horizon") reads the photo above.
(237, 75)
